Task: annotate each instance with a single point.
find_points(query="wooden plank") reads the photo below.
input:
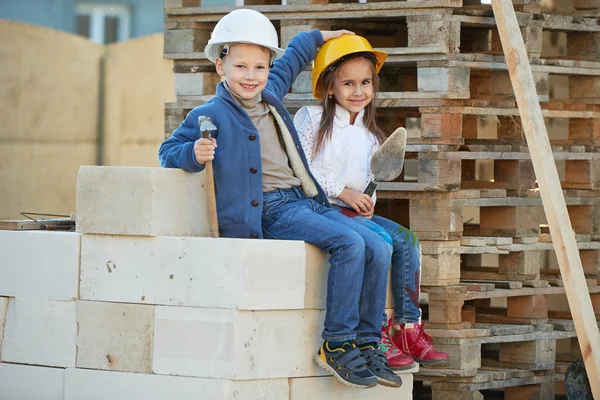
(489, 277)
(29, 225)
(565, 245)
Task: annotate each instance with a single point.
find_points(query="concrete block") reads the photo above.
(40, 332)
(39, 264)
(141, 201)
(24, 382)
(199, 272)
(101, 385)
(196, 84)
(327, 388)
(3, 310)
(229, 344)
(115, 336)
(317, 269)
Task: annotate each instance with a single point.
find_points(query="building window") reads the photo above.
(103, 23)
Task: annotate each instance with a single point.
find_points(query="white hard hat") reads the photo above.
(243, 26)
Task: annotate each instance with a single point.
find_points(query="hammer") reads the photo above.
(206, 127)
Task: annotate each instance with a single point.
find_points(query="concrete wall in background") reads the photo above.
(138, 84)
(49, 107)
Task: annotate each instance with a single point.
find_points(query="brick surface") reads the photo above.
(115, 336)
(101, 385)
(24, 382)
(202, 272)
(327, 388)
(228, 344)
(39, 264)
(40, 332)
(141, 201)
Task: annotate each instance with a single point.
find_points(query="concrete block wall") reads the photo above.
(128, 307)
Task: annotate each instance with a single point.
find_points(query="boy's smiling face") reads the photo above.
(246, 69)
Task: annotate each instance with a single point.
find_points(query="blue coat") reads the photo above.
(237, 165)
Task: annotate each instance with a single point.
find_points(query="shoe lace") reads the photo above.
(421, 334)
(386, 342)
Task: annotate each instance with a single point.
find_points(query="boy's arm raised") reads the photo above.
(178, 150)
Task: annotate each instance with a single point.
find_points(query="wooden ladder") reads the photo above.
(553, 200)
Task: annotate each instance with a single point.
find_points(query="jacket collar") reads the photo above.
(342, 117)
(241, 114)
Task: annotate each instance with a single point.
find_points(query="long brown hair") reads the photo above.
(326, 124)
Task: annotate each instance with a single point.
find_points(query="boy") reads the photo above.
(265, 189)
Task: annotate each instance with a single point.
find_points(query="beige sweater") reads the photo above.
(281, 163)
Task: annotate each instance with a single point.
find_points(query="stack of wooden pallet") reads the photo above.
(469, 189)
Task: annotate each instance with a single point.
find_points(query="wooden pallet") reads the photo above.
(456, 307)
(514, 383)
(523, 347)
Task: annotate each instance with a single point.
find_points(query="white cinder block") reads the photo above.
(317, 269)
(327, 388)
(3, 310)
(228, 344)
(115, 336)
(24, 382)
(200, 272)
(101, 385)
(40, 332)
(39, 264)
(141, 201)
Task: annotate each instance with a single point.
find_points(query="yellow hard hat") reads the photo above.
(336, 49)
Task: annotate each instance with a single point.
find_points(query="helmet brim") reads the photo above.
(381, 56)
(211, 51)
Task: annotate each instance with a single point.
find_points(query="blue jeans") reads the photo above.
(359, 261)
(406, 267)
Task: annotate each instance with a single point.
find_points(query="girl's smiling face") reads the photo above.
(246, 69)
(353, 86)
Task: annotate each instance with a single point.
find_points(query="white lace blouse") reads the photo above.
(343, 162)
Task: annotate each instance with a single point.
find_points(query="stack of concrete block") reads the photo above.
(139, 303)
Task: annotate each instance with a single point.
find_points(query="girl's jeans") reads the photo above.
(359, 258)
(406, 267)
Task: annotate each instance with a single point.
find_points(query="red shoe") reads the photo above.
(397, 360)
(419, 345)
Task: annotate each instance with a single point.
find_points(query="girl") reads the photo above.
(339, 138)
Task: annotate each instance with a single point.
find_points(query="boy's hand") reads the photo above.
(204, 150)
(360, 202)
(328, 35)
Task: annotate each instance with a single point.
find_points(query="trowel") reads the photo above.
(388, 160)
(206, 129)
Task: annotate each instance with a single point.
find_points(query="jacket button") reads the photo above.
(255, 203)
(254, 236)
(252, 137)
(253, 170)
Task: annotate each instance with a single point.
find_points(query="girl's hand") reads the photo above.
(368, 214)
(328, 35)
(360, 202)
(204, 150)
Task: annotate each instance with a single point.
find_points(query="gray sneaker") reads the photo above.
(378, 365)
